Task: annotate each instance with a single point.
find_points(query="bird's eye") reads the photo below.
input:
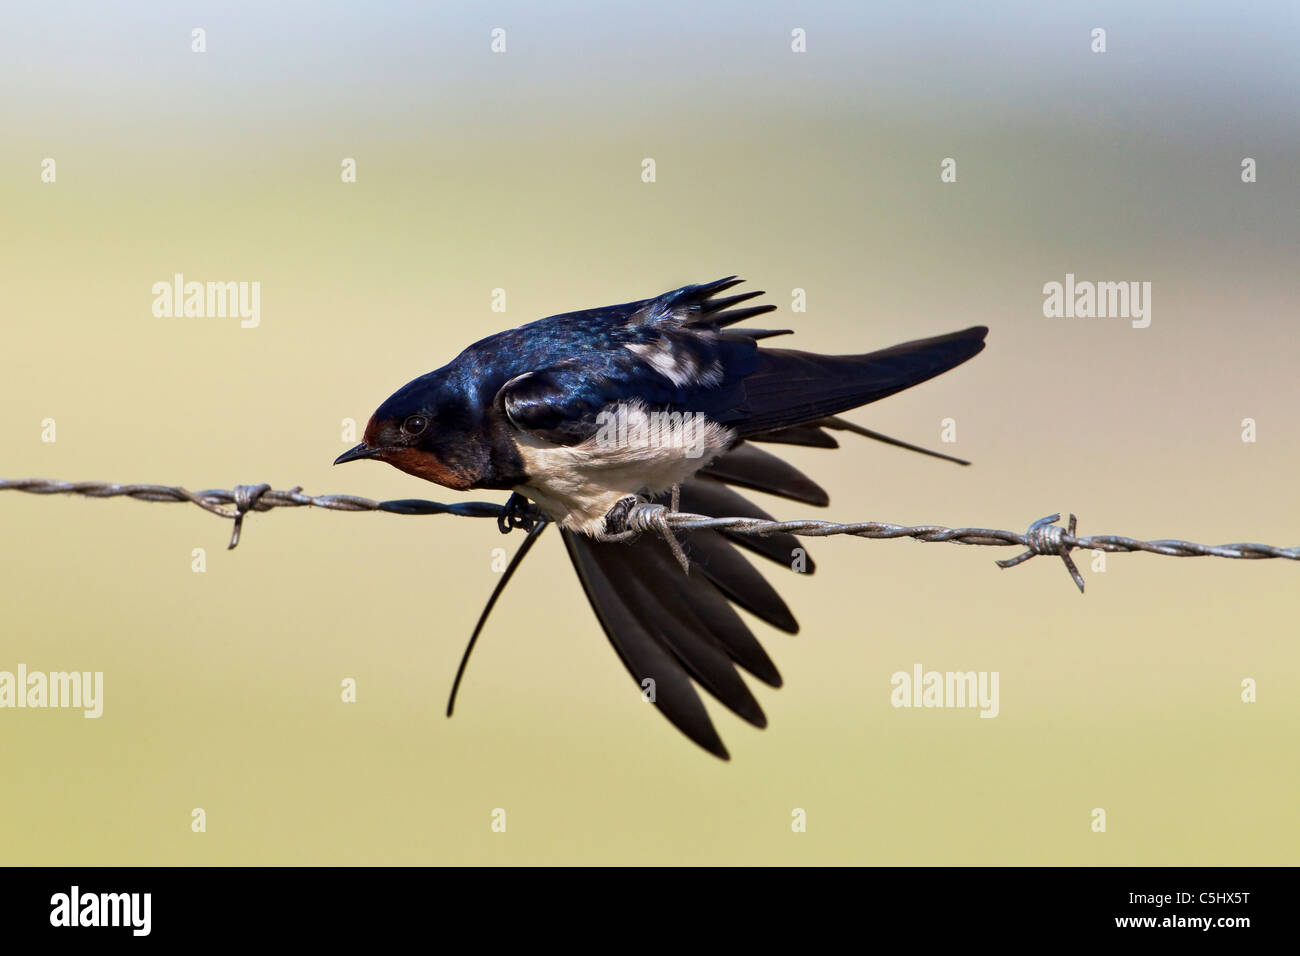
(414, 425)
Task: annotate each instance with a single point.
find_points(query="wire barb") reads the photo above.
(246, 498)
(1046, 537)
(1043, 537)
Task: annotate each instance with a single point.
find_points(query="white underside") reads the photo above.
(577, 485)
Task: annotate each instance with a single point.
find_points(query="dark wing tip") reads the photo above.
(723, 319)
(717, 305)
(819, 500)
(707, 289)
(714, 311)
(761, 333)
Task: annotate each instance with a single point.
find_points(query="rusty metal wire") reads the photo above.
(1043, 537)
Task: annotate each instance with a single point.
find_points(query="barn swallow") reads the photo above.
(576, 413)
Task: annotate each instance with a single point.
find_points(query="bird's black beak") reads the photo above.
(358, 452)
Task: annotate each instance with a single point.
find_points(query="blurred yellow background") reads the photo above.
(522, 171)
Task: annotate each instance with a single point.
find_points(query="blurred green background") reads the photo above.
(522, 171)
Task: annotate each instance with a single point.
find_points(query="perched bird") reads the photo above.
(587, 412)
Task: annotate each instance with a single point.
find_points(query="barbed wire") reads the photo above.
(1043, 537)
(245, 498)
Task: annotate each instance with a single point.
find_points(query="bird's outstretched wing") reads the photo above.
(672, 630)
(680, 353)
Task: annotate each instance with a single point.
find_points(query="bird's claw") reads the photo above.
(517, 512)
(616, 517)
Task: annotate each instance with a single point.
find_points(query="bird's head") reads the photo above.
(422, 433)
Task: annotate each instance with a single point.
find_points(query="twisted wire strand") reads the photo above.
(1043, 537)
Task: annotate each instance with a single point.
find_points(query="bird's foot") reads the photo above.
(517, 512)
(616, 525)
(616, 517)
